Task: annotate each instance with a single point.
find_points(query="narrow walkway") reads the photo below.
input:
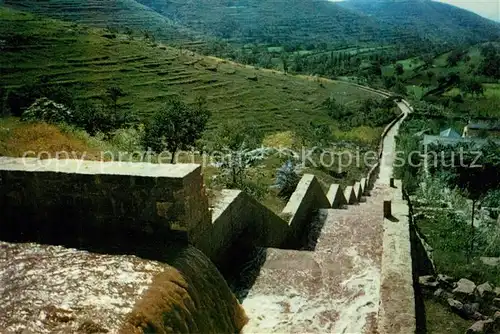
(336, 287)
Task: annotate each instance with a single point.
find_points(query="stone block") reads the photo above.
(350, 196)
(358, 191)
(387, 209)
(364, 186)
(336, 196)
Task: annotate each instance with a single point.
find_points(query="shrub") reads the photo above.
(48, 111)
(95, 118)
(19, 99)
(287, 179)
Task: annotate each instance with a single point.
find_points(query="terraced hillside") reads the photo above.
(436, 21)
(276, 21)
(90, 60)
(106, 13)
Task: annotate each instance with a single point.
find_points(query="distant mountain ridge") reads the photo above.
(352, 22)
(437, 21)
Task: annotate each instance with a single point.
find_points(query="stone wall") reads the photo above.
(397, 312)
(109, 207)
(239, 223)
(305, 201)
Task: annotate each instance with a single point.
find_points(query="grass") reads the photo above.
(450, 239)
(18, 139)
(86, 62)
(440, 320)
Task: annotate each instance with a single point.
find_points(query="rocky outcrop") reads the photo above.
(482, 327)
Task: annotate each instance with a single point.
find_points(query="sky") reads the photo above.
(486, 8)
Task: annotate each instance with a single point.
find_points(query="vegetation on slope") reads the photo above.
(119, 14)
(436, 21)
(89, 61)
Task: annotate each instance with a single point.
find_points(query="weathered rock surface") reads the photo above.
(456, 306)
(445, 281)
(496, 319)
(443, 294)
(485, 290)
(472, 311)
(51, 289)
(465, 288)
(428, 282)
(481, 327)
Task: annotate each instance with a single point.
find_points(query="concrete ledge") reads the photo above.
(101, 205)
(372, 176)
(236, 213)
(336, 196)
(304, 202)
(75, 166)
(364, 183)
(349, 195)
(397, 298)
(358, 191)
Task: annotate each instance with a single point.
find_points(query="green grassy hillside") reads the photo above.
(276, 21)
(248, 21)
(119, 14)
(87, 61)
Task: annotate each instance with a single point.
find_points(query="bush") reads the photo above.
(95, 118)
(128, 140)
(287, 179)
(48, 111)
(18, 100)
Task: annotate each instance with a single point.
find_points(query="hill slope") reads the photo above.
(242, 21)
(437, 21)
(274, 21)
(87, 61)
(106, 13)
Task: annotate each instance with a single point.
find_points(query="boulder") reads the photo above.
(428, 282)
(496, 319)
(485, 290)
(477, 316)
(481, 327)
(496, 291)
(445, 281)
(443, 294)
(471, 309)
(465, 289)
(456, 306)
(496, 302)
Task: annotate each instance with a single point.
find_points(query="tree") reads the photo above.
(237, 146)
(113, 93)
(285, 64)
(399, 69)
(473, 87)
(176, 126)
(454, 57)
(475, 174)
